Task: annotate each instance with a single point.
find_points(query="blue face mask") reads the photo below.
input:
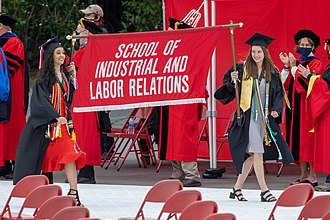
(304, 52)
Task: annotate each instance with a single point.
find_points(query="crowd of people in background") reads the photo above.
(54, 138)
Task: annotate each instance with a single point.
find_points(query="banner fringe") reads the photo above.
(139, 105)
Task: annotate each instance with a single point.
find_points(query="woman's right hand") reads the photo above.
(61, 120)
(234, 75)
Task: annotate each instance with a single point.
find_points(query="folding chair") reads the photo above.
(221, 216)
(49, 208)
(293, 196)
(22, 189)
(159, 193)
(71, 213)
(34, 200)
(124, 148)
(326, 216)
(315, 208)
(178, 202)
(199, 210)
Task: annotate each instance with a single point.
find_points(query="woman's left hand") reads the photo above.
(72, 69)
(274, 114)
(304, 71)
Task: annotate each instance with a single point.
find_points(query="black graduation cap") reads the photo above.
(177, 24)
(259, 40)
(7, 20)
(48, 48)
(327, 41)
(91, 26)
(307, 33)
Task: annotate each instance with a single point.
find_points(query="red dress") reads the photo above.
(63, 149)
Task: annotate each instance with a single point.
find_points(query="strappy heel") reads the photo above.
(266, 196)
(74, 192)
(238, 194)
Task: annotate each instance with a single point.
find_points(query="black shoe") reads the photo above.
(237, 193)
(9, 176)
(191, 183)
(81, 179)
(74, 193)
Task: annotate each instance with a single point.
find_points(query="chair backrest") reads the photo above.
(179, 201)
(38, 196)
(221, 216)
(199, 210)
(316, 207)
(160, 192)
(49, 208)
(23, 188)
(294, 196)
(71, 213)
(326, 216)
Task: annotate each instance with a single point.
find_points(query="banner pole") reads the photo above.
(212, 172)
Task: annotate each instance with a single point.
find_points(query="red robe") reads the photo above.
(179, 133)
(300, 140)
(319, 108)
(86, 125)
(11, 131)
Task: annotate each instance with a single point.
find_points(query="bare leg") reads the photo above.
(304, 172)
(259, 171)
(266, 196)
(71, 174)
(312, 174)
(245, 172)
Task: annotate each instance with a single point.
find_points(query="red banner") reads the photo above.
(120, 71)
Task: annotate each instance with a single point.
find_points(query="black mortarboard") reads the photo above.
(7, 20)
(259, 40)
(91, 26)
(307, 33)
(177, 24)
(48, 48)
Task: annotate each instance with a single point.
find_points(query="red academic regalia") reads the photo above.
(10, 131)
(300, 140)
(86, 125)
(179, 133)
(319, 108)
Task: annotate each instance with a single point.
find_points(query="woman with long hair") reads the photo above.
(261, 102)
(48, 141)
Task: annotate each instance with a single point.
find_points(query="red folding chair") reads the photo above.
(221, 216)
(316, 207)
(126, 143)
(199, 210)
(72, 213)
(293, 196)
(159, 193)
(22, 189)
(49, 208)
(34, 200)
(326, 216)
(178, 202)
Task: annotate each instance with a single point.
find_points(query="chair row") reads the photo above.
(45, 200)
(302, 195)
(179, 204)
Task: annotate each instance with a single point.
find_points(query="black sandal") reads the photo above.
(238, 194)
(74, 192)
(266, 196)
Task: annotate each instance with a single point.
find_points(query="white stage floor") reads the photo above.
(110, 202)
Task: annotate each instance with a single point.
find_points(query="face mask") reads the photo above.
(304, 52)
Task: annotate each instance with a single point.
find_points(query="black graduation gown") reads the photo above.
(238, 136)
(33, 145)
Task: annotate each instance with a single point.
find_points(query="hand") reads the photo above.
(304, 71)
(61, 120)
(234, 75)
(292, 59)
(72, 69)
(284, 58)
(274, 114)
